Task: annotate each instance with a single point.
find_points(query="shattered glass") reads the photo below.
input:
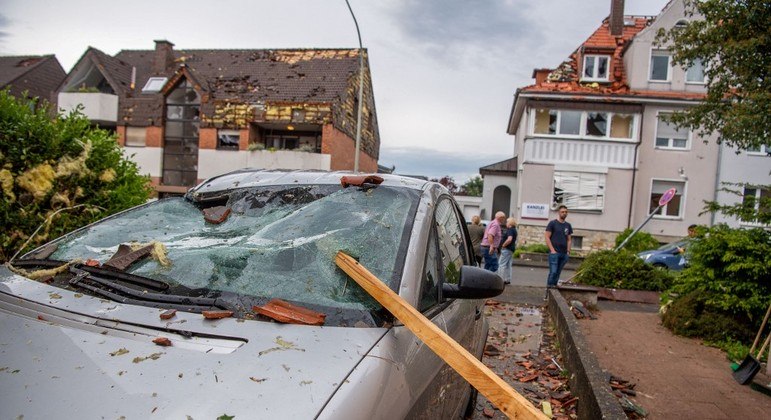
(278, 242)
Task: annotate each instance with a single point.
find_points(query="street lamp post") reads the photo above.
(361, 92)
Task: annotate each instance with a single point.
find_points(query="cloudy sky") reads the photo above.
(444, 72)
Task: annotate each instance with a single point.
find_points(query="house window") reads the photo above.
(596, 124)
(545, 121)
(763, 149)
(136, 136)
(228, 139)
(583, 123)
(579, 190)
(695, 73)
(668, 136)
(674, 208)
(282, 142)
(576, 242)
(596, 67)
(659, 65)
(154, 84)
(621, 126)
(569, 123)
(753, 197)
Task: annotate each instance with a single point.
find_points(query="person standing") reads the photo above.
(508, 245)
(558, 238)
(491, 240)
(476, 231)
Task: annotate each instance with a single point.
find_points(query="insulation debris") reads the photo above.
(108, 175)
(6, 182)
(38, 181)
(74, 166)
(41, 274)
(158, 252)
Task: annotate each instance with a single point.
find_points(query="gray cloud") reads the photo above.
(453, 28)
(4, 23)
(435, 164)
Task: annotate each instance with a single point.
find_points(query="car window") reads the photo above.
(450, 238)
(277, 242)
(672, 246)
(429, 287)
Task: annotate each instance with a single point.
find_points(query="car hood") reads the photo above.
(66, 355)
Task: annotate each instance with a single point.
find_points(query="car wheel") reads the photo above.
(472, 404)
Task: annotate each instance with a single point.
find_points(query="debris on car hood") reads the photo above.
(283, 311)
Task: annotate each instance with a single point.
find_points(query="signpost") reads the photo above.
(665, 198)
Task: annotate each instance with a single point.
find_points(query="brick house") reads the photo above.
(186, 115)
(38, 75)
(591, 135)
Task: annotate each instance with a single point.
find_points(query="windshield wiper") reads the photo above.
(156, 285)
(137, 297)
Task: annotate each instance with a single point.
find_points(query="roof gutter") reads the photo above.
(601, 98)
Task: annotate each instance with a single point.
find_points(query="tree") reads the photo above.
(734, 44)
(750, 209)
(58, 174)
(472, 187)
(448, 183)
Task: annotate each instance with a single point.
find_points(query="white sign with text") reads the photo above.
(535, 210)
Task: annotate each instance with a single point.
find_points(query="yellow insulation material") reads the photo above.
(41, 274)
(69, 166)
(6, 182)
(159, 252)
(38, 180)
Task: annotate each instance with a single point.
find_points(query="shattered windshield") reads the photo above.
(274, 242)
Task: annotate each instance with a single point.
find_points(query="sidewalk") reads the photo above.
(676, 377)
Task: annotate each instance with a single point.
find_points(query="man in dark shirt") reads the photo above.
(558, 237)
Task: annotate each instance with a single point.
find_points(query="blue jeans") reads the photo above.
(491, 260)
(504, 265)
(556, 262)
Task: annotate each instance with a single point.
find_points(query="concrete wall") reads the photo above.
(469, 206)
(100, 107)
(747, 167)
(637, 57)
(697, 166)
(217, 162)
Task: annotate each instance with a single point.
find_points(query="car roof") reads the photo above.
(247, 178)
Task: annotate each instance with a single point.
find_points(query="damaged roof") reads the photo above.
(566, 77)
(37, 74)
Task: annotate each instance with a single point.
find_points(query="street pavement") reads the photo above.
(528, 285)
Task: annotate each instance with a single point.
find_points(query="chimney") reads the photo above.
(164, 56)
(540, 75)
(616, 17)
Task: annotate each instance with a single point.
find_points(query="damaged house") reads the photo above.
(186, 115)
(37, 75)
(592, 134)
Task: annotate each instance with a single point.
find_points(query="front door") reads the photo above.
(180, 147)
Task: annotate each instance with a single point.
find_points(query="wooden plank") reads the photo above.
(500, 393)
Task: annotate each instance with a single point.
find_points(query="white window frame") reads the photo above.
(703, 75)
(650, 66)
(598, 194)
(594, 77)
(663, 215)
(671, 141)
(582, 127)
(764, 150)
(152, 83)
(758, 191)
(126, 136)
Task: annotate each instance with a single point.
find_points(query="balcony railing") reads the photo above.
(580, 152)
(97, 107)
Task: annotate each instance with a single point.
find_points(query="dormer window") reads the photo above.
(154, 84)
(596, 67)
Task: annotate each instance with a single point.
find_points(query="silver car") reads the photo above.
(99, 324)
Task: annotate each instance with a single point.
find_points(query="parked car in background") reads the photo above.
(671, 256)
(157, 312)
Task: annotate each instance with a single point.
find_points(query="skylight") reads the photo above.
(154, 84)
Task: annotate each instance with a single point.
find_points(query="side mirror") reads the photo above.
(474, 283)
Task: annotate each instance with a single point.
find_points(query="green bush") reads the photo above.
(731, 271)
(534, 248)
(52, 164)
(641, 241)
(621, 270)
(691, 316)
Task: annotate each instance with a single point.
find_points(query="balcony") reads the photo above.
(216, 162)
(98, 107)
(611, 154)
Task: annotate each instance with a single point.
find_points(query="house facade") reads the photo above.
(187, 115)
(592, 135)
(37, 75)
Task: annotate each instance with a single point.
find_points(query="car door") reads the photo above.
(448, 250)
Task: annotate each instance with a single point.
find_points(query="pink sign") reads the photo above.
(667, 197)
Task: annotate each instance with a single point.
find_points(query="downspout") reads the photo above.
(634, 172)
(717, 180)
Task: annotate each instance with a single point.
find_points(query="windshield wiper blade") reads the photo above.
(157, 300)
(156, 285)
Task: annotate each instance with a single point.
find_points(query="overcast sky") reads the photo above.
(444, 72)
